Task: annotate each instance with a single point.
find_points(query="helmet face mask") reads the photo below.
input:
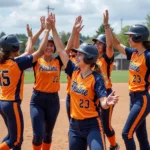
(140, 33)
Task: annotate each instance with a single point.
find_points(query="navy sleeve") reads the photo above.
(129, 51)
(34, 64)
(24, 62)
(108, 60)
(70, 68)
(148, 60)
(60, 62)
(99, 87)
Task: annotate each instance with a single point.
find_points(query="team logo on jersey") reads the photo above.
(43, 68)
(134, 67)
(79, 89)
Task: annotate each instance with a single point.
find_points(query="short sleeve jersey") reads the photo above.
(106, 65)
(84, 93)
(47, 75)
(139, 69)
(12, 77)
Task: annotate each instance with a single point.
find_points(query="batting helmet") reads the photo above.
(140, 33)
(50, 38)
(81, 41)
(10, 43)
(90, 51)
(101, 38)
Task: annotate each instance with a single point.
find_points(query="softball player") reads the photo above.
(104, 44)
(44, 105)
(87, 89)
(11, 81)
(72, 54)
(139, 70)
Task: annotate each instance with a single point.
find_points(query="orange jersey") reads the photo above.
(12, 78)
(139, 70)
(84, 93)
(106, 66)
(47, 75)
(68, 78)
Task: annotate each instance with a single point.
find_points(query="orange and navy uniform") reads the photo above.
(12, 78)
(106, 65)
(68, 78)
(11, 82)
(139, 71)
(84, 95)
(68, 90)
(44, 105)
(47, 75)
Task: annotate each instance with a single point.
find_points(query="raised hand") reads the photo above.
(105, 18)
(48, 24)
(52, 20)
(78, 24)
(29, 31)
(42, 20)
(112, 99)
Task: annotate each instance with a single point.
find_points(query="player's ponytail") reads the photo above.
(146, 44)
(97, 69)
(4, 56)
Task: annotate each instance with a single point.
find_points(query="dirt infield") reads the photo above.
(60, 139)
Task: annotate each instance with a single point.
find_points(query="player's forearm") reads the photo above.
(70, 41)
(36, 36)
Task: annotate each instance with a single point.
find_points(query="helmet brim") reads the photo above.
(129, 33)
(78, 50)
(20, 42)
(94, 40)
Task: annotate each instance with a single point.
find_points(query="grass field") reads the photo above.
(117, 77)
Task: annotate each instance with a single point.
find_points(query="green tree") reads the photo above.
(23, 39)
(122, 37)
(100, 30)
(2, 34)
(64, 36)
(148, 20)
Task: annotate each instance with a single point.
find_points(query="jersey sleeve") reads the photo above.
(108, 60)
(129, 51)
(60, 62)
(99, 87)
(148, 61)
(24, 62)
(70, 68)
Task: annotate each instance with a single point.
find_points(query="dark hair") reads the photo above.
(146, 44)
(4, 55)
(97, 69)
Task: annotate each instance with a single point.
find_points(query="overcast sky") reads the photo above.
(15, 14)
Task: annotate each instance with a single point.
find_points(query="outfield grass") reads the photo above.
(117, 77)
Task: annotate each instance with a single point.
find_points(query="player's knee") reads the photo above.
(109, 132)
(124, 135)
(47, 138)
(13, 142)
(37, 140)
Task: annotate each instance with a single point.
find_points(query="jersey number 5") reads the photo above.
(84, 103)
(4, 79)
